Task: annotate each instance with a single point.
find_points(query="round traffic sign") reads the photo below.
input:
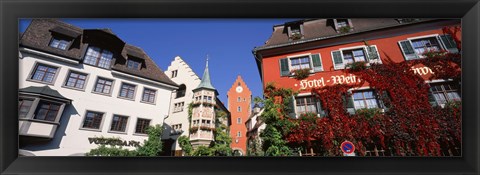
(347, 147)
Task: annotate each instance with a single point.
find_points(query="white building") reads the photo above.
(80, 86)
(192, 89)
(177, 124)
(254, 127)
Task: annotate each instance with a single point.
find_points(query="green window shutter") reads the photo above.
(320, 109)
(337, 59)
(291, 105)
(373, 55)
(284, 71)
(449, 43)
(317, 63)
(431, 98)
(407, 50)
(348, 101)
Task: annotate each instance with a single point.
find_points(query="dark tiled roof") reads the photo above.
(324, 28)
(45, 90)
(39, 34)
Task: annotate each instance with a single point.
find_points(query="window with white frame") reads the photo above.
(365, 99)
(312, 62)
(239, 120)
(344, 56)
(445, 92)
(239, 134)
(98, 57)
(178, 107)
(134, 64)
(239, 99)
(59, 43)
(306, 104)
(414, 48)
(239, 109)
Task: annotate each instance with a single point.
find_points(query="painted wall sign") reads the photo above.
(347, 79)
(113, 142)
(332, 80)
(422, 70)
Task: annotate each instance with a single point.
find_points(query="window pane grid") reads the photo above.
(127, 91)
(149, 95)
(76, 80)
(24, 107)
(93, 120)
(103, 86)
(98, 57)
(142, 125)
(300, 63)
(47, 111)
(444, 93)
(425, 44)
(365, 99)
(44, 73)
(306, 105)
(119, 123)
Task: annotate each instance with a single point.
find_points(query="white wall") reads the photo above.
(69, 138)
(185, 76)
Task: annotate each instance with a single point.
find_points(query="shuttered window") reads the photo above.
(367, 54)
(284, 70)
(414, 48)
(313, 62)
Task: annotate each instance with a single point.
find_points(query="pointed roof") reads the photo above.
(205, 83)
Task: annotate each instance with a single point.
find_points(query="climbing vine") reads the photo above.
(409, 126)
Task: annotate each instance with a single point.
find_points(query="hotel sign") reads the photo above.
(332, 80)
(347, 79)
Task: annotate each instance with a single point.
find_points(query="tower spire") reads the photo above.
(205, 83)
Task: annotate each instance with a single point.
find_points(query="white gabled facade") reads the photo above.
(181, 73)
(67, 135)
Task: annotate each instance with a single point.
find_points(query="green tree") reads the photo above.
(184, 143)
(153, 145)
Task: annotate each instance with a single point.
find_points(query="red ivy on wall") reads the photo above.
(409, 127)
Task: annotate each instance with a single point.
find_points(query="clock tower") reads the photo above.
(239, 105)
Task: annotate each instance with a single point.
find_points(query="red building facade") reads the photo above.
(239, 105)
(324, 47)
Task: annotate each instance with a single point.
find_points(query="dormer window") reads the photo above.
(98, 57)
(133, 64)
(295, 31)
(59, 43)
(343, 25)
(62, 38)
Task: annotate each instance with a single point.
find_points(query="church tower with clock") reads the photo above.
(239, 105)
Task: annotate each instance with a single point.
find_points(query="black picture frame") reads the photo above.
(11, 11)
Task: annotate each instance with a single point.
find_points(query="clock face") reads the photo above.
(239, 89)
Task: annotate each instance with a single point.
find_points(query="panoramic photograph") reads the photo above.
(368, 87)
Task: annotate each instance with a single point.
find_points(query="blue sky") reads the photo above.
(228, 42)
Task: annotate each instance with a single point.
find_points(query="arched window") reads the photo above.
(181, 91)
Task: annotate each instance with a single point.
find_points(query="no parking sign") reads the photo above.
(347, 147)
